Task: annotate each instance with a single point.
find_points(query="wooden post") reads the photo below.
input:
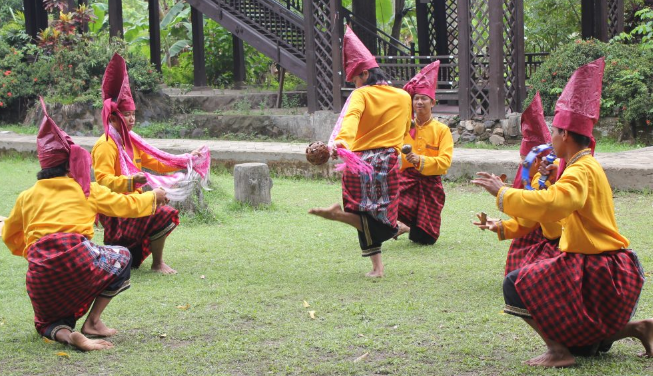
(36, 18)
(519, 57)
(199, 63)
(620, 17)
(239, 61)
(311, 74)
(441, 27)
(155, 33)
(115, 18)
(587, 18)
(336, 54)
(282, 77)
(601, 20)
(497, 93)
(464, 60)
(423, 40)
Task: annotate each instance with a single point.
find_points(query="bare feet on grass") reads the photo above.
(97, 329)
(644, 330)
(328, 213)
(163, 269)
(85, 344)
(375, 274)
(553, 357)
(402, 230)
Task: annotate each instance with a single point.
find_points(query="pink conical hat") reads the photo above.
(355, 56)
(54, 147)
(533, 127)
(579, 105)
(425, 82)
(117, 97)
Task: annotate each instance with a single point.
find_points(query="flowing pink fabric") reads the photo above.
(350, 160)
(178, 184)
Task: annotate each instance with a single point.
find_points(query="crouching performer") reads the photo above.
(587, 295)
(51, 225)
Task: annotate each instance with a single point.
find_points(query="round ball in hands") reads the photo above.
(406, 149)
(317, 153)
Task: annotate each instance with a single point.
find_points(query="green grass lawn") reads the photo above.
(437, 311)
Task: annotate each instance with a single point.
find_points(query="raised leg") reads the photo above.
(335, 213)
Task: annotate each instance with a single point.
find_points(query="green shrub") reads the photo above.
(627, 81)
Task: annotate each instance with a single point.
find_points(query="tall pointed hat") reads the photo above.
(117, 97)
(425, 82)
(355, 56)
(533, 126)
(579, 105)
(54, 147)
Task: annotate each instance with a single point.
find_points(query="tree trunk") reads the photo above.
(396, 26)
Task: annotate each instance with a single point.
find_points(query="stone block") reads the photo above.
(497, 140)
(488, 124)
(514, 125)
(455, 135)
(479, 128)
(468, 137)
(468, 125)
(252, 183)
(498, 131)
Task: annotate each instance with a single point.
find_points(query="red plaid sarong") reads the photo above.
(66, 273)
(577, 299)
(530, 248)
(421, 199)
(136, 234)
(376, 196)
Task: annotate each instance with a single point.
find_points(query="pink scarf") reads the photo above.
(350, 160)
(179, 185)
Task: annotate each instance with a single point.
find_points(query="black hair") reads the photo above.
(376, 75)
(53, 172)
(581, 140)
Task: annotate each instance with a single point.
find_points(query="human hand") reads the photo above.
(413, 158)
(485, 223)
(139, 178)
(336, 146)
(196, 152)
(161, 198)
(490, 182)
(548, 170)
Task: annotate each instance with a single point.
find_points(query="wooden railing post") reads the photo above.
(115, 18)
(155, 33)
(199, 63)
(519, 54)
(497, 93)
(464, 60)
(336, 54)
(311, 74)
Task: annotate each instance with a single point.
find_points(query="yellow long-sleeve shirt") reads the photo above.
(59, 205)
(378, 116)
(106, 165)
(581, 200)
(434, 144)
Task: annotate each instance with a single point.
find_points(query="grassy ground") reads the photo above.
(437, 312)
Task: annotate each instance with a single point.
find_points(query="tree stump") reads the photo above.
(252, 183)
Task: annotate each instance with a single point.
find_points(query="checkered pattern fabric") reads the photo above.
(530, 248)
(377, 196)
(136, 234)
(577, 299)
(66, 273)
(421, 199)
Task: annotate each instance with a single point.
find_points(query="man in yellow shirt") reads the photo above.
(376, 118)
(421, 194)
(51, 225)
(587, 294)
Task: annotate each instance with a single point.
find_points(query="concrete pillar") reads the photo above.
(252, 183)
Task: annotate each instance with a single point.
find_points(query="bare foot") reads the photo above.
(97, 329)
(644, 329)
(553, 358)
(375, 274)
(163, 269)
(81, 342)
(402, 230)
(328, 213)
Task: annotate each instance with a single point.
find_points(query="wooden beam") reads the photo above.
(519, 56)
(441, 28)
(115, 18)
(601, 20)
(155, 33)
(336, 54)
(239, 61)
(497, 93)
(423, 40)
(365, 10)
(587, 18)
(311, 73)
(199, 63)
(464, 60)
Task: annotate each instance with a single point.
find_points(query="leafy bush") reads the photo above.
(627, 80)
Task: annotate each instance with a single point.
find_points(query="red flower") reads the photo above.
(35, 79)
(70, 65)
(7, 73)
(9, 94)
(648, 122)
(1, 104)
(149, 71)
(543, 80)
(554, 73)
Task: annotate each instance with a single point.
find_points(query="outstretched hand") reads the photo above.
(161, 198)
(334, 150)
(196, 152)
(490, 182)
(491, 224)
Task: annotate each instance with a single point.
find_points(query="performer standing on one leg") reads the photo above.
(588, 293)
(51, 225)
(372, 125)
(119, 156)
(421, 195)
